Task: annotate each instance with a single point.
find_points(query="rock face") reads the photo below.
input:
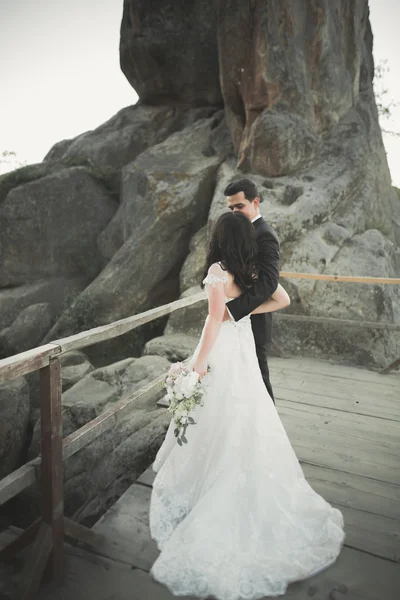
(165, 195)
(27, 330)
(168, 51)
(296, 68)
(174, 347)
(63, 214)
(14, 419)
(123, 137)
(74, 367)
(192, 271)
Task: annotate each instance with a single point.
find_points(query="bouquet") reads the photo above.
(184, 393)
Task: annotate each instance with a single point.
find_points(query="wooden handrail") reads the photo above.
(107, 332)
(32, 360)
(26, 362)
(340, 278)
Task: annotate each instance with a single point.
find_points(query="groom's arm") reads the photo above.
(267, 282)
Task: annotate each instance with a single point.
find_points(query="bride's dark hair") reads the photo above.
(233, 244)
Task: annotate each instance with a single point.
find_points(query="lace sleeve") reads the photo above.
(216, 275)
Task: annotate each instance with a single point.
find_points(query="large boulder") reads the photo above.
(54, 291)
(165, 198)
(168, 51)
(192, 271)
(14, 420)
(27, 330)
(26, 174)
(62, 215)
(118, 141)
(190, 320)
(280, 144)
(74, 366)
(175, 347)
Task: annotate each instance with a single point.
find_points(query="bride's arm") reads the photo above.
(216, 309)
(278, 300)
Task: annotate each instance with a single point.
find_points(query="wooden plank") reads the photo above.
(354, 576)
(360, 576)
(52, 460)
(304, 365)
(19, 480)
(333, 445)
(380, 433)
(26, 362)
(339, 453)
(372, 533)
(91, 577)
(82, 534)
(147, 477)
(83, 436)
(323, 385)
(35, 565)
(382, 407)
(354, 491)
(338, 322)
(25, 538)
(126, 529)
(117, 328)
(342, 278)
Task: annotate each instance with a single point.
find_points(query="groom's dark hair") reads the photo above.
(246, 186)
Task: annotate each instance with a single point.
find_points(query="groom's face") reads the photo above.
(238, 202)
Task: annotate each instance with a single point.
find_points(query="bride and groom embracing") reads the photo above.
(231, 510)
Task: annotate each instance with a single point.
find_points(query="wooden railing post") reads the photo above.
(52, 460)
(47, 552)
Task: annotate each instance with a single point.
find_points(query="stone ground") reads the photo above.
(344, 424)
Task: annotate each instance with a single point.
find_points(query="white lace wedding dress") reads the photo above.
(230, 510)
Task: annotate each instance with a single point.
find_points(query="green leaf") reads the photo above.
(192, 421)
(179, 441)
(184, 440)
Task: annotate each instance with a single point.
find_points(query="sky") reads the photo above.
(60, 74)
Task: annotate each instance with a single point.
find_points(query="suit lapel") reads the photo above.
(258, 223)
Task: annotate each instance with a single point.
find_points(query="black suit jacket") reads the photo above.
(265, 286)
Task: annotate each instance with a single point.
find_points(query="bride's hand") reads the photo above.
(200, 366)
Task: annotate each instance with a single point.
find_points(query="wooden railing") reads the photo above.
(47, 533)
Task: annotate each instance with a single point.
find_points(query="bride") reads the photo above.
(231, 510)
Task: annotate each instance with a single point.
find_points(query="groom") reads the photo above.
(242, 195)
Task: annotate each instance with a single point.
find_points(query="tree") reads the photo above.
(9, 161)
(383, 105)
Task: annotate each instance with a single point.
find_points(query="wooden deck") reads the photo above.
(344, 424)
